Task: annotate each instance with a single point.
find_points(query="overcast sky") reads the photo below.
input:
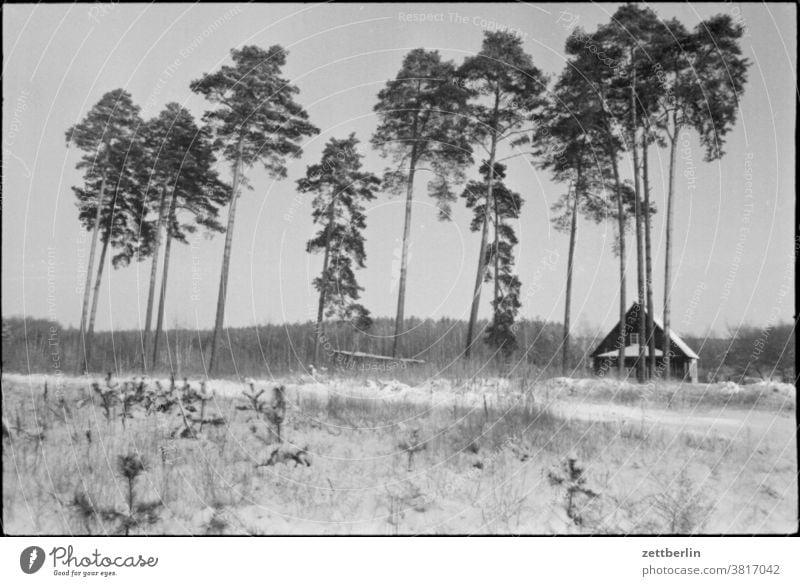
(733, 264)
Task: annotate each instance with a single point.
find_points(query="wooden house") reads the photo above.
(683, 360)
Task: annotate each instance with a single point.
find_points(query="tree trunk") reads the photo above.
(321, 308)
(496, 302)
(641, 358)
(648, 263)
(572, 234)
(85, 341)
(95, 295)
(640, 361)
(151, 294)
(101, 266)
(623, 326)
(401, 295)
(162, 298)
(668, 254)
(97, 281)
(226, 257)
(476, 297)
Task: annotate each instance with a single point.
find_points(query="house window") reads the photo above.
(634, 339)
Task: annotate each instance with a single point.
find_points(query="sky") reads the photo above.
(734, 218)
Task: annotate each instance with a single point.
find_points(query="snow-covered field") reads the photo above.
(486, 456)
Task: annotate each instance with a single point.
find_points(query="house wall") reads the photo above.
(680, 368)
(693, 370)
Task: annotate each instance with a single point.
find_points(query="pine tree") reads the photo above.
(257, 120)
(499, 258)
(110, 202)
(179, 168)
(341, 188)
(564, 143)
(506, 89)
(422, 128)
(593, 77)
(631, 31)
(702, 76)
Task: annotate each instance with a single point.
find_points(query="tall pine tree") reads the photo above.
(499, 258)
(340, 189)
(702, 76)
(257, 121)
(505, 90)
(564, 143)
(422, 128)
(110, 202)
(179, 170)
(594, 78)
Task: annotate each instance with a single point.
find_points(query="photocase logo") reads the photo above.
(31, 559)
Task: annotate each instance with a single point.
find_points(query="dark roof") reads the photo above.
(609, 343)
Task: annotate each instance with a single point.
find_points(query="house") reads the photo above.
(683, 360)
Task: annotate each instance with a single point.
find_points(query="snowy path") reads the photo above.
(729, 422)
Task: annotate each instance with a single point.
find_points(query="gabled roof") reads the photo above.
(608, 344)
(676, 339)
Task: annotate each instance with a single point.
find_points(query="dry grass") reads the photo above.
(483, 460)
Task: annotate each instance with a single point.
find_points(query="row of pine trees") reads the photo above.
(629, 87)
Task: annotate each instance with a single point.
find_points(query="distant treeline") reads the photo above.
(748, 352)
(37, 345)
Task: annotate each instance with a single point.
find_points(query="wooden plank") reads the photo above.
(365, 356)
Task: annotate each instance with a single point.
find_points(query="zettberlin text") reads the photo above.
(687, 552)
